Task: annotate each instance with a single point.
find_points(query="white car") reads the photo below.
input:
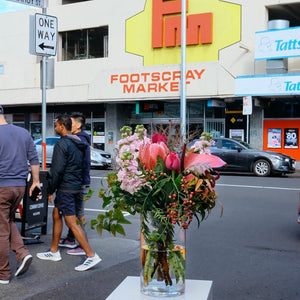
(99, 158)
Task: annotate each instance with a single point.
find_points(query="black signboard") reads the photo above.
(35, 213)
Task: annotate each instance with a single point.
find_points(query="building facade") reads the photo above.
(118, 62)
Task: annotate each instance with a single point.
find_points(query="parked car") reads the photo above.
(241, 157)
(99, 158)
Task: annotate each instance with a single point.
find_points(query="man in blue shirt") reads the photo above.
(16, 149)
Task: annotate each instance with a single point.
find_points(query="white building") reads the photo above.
(118, 62)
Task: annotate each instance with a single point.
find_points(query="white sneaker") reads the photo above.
(24, 265)
(4, 281)
(88, 263)
(49, 255)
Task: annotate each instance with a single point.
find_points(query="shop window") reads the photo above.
(19, 120)
(84, 44)
(215, 112)
(36, 117)
(36, 130)
(282, 108)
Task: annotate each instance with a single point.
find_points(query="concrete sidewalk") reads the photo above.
(59, 280)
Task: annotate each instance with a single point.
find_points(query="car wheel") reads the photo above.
(262, 168)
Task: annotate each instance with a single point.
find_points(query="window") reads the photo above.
(228, 145)
(282, 108)
(85, 43)
(289, 12)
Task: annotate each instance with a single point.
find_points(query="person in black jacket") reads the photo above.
(66, 176)
(78, 120)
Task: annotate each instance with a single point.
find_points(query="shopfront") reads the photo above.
(282, 125)
(31, 119)
(278, 90)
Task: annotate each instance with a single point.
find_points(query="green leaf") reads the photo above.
(99, 229)
(113, 229)
(100, 218)
(88, 195)
(119, 217)
(120, 229)
(93, 223)
(106, 202)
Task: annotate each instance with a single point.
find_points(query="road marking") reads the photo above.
(258, 187)
(96, 177)
(126, 214)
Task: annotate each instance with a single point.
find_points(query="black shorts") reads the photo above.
(65, 203)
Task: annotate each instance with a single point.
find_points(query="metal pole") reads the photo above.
(44, 107)
(247, 138)
(183, 71)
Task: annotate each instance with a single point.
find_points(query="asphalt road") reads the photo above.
(251, 252)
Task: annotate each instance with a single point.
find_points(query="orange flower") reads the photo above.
(149, 152)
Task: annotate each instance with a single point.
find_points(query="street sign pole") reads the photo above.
(183, 71)
(44, 104)
(45, 43)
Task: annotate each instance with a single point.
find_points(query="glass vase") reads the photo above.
(162, 258)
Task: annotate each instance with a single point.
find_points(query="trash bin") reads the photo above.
(35, 213)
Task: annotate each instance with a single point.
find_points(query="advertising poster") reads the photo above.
(291, 137)
(274, 138)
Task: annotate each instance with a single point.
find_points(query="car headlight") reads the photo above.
(95, 155)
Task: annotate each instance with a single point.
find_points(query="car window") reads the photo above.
(51, 141)
(228, 145)
(246, 145)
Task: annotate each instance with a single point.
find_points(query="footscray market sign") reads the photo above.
(154, 34)
(146, 82)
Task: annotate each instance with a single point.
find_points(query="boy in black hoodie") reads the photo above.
(78, 120)
(66, 177)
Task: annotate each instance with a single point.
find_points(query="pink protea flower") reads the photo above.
(149, 152)
(202, 162)
(172, 161)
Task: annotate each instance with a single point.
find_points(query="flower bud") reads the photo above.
(172, 161)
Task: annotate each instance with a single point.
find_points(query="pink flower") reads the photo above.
(202, 162)
(158, 137)
(172, 161)
(149, 152)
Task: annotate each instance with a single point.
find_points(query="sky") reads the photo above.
(6, 6)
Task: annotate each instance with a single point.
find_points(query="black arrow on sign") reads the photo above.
(42, 46)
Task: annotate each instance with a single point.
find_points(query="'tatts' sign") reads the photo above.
(280, 43)
(155, 33)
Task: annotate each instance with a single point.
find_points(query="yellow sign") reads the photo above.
(155, 33)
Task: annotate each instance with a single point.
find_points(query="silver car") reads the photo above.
(99, 158)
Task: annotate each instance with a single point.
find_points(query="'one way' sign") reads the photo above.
(45, 34)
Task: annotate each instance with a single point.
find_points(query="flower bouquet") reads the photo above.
(168, 191)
